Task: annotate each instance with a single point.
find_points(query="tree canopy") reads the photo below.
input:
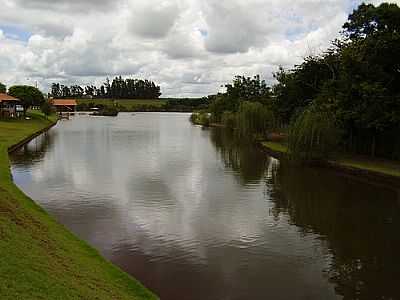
(3, 88)
(119, 88)
(356, 82)
(29, 95)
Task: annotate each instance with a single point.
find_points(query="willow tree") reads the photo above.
(254, 119)
(313, 135)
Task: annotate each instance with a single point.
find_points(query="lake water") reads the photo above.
(196, 214)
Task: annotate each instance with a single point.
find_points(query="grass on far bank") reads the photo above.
(41, 259)
(128, 103)
(374, 165)
(382, 166)
(276, 147)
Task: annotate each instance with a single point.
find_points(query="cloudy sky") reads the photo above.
(189, 47)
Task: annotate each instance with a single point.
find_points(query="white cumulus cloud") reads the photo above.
(190, 47)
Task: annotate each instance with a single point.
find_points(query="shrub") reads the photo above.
(200, 118)
(46, 108)
(228, 119)
(313, 135)
(254, 118)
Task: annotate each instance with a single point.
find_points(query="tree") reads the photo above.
(313, 134)
(119, 88)
(249, 89)
(3, 88)
(369, 81)
(357, 80)
(46, 108)
(56, 90)
(368, 20)
(29, 95)
(354, 86)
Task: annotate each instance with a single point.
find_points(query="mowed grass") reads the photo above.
(374, 165)
(41, 259)
(382, 166)
(276, 147)
(128, 103)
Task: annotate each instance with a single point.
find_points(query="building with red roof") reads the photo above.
(10, 106)
(64, 105)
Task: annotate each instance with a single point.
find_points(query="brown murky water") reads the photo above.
(197, 214)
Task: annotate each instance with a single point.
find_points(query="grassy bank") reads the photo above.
(128, 104)
(361, 163)
(145, 105)
(40, 259)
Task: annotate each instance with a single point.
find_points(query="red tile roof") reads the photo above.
(64, 102)
(4, 97)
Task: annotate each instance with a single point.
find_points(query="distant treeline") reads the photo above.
(119, 88)
(132, 105)
(186, 104)
(345, 99)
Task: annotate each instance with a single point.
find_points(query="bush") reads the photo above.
(46, 108)
(313, 135)
(254, 118)
(109, 111)
(82, 107)
(228, 119)
(200, 118)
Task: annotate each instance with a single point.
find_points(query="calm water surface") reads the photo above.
(197, 214)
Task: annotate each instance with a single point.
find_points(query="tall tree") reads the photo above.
(29, 95)
(3, 88)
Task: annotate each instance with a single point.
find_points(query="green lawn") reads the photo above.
(386, 167)
(128, 103)
(375, 165)
(41, 259)
(276, 147)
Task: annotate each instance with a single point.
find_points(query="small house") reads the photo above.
(64, 105)
(10, 107)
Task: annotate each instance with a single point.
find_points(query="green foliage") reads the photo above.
(200, 118)
(357, 80)
(133, 105)
(248, 89)
(368, 20)
(254, 118)
(29, 95)
(222, 103)
(187, 104)
(109, 111)
(229, 119)
(313, 135)
(119, 88)
(46, 108)
(297, 88)
(241, 89)
(3, 88)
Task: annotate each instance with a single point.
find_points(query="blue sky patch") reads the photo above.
(203, 32)
(15, 33)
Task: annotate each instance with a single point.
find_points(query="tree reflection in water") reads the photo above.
(240, 155)
(358, 221)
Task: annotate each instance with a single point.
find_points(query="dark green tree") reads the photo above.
(46, 108)
(3, 88)
(29, 95)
